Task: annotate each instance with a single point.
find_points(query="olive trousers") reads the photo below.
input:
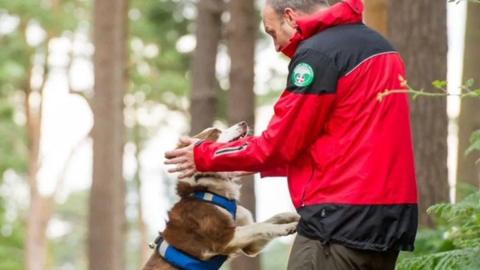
(310, 254)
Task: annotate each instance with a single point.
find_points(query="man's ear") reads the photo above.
(290, 16)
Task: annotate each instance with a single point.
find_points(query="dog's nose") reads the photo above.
(243, 124)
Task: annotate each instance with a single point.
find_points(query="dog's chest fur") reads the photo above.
(199, 228)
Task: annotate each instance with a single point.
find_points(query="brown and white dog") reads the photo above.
(204, 230)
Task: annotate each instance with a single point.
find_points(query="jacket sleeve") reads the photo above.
(299, 117)
(276, 171)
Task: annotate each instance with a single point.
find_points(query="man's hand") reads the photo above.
(183, 158)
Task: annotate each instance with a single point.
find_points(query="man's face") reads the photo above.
(277, 27)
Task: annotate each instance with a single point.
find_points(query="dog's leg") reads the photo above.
(252, 238)
(244, 216)
(283, 218)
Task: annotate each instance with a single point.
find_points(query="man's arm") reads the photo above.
(299, 117)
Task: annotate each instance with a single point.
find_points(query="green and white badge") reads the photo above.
(303, 75)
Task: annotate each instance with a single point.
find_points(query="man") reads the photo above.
(347, 156)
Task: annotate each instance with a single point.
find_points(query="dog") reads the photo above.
(202, 234)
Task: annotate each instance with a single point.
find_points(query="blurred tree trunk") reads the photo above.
(418, 30)
(37, 223)
(107, 205)
(203, 99)
(40, 206)
(469, 120)
(241, 36)
(376, 15)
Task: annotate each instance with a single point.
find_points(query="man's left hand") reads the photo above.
(183, 158)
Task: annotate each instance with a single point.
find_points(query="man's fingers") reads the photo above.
(176, 169)
(177, 160)
(181, 167)
(174, 153)
(189, 173)
(173, 170)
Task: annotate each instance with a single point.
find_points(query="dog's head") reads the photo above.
(230, 134)
(218, 182)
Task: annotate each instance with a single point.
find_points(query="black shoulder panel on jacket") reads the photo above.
(311, 72)
(347, 45)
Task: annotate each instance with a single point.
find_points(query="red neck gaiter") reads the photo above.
(345, 12)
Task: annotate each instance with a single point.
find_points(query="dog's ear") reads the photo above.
(209, 134)
(184, 189)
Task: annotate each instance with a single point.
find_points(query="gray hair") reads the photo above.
(307, 6)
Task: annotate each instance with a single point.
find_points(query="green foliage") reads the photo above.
(16, 62)
(464, 259)
(53, 19)
(274, 256)
(159, 24)
(12, 140)
(474, 142)
(463, 219)
(456, 242)
(69, 248)
(11, 242)
(439, 84)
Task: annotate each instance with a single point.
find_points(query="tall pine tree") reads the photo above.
(241, 36)
(418, 29)
(107, 223)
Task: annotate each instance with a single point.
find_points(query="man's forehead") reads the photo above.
(269, 16)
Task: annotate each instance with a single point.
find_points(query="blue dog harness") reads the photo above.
(227, 204)
(185, 261)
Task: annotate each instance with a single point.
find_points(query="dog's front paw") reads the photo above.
(289, 228)
(284, 218)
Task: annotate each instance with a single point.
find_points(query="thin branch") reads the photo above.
(46, 66)
(415, 93)
(466, 91)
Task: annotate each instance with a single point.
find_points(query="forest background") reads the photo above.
(93, 92)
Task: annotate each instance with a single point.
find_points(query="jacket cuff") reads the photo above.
(199, 156)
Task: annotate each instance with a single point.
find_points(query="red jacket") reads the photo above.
(343, 151)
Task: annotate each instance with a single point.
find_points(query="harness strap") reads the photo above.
(227, 204)
(184, 261)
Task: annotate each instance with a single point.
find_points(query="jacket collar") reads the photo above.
(345, 12)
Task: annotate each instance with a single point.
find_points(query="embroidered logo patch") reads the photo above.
(302, 75)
